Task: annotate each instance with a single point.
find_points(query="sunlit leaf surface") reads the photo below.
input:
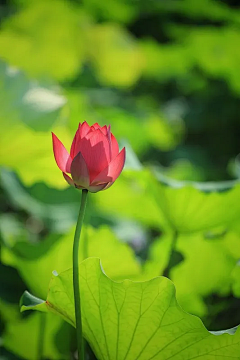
(134, 320)
(190, 206)
(35, 262)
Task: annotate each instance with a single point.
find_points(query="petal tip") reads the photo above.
(62, 157)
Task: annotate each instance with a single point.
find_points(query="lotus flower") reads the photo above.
(94, 161)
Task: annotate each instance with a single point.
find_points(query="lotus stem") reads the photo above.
(76, 285)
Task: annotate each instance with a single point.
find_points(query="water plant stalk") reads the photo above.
(76, 285)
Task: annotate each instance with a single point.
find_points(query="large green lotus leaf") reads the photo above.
(39, 45)
(35, 104)
(191, 206)
(111, 47)
(158, 261)
(134, 320)
(35, 262)
(20, 335)
(207, 268)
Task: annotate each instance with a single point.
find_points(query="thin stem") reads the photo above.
(85, 246)
(76, 285)
(172, 249)
(40, 345)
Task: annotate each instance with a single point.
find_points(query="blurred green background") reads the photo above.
(165, 75)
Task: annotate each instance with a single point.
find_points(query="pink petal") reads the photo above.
(112, 171)
(108, 185)
(68, 179)
(84, 129)
(115, 147)
(104, 129)
(95, 150)
(96, 188)
(109, 141)
(79, 171)
(96, 126)
(75, 141)
(62, 157)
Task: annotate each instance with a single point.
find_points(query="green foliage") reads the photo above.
(193, 206)
(120, 10)
(134, 320)
(35, 262)
(165, 75)
(21, 334)
(193, 279)
(137, 187)
(115, 49)
(34, 34)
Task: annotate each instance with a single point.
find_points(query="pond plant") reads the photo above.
(130, 320)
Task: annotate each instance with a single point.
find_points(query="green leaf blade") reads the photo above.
(192, 206)
(136, 320)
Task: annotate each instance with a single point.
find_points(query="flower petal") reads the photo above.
(62, 157)
(79, 171)
(68, 179)
(84, 129)
(95, 150)
(109, 141)
(112, 171)
(96, 126)
(114, 145)
(74, 143)
(104, 129)
(108, 185)
(96, 188)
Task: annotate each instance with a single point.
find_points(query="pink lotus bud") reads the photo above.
(94, 161)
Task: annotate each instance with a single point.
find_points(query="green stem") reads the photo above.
(76, 285)
(42, 326)
(172, 249)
